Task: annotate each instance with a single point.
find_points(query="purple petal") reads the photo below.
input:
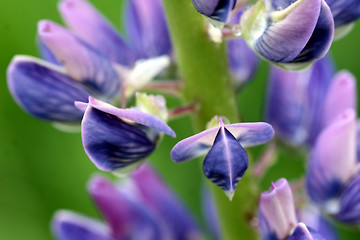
(341, 95)
(295, 101)
(344, 11)
(67, 225)
(350, 202)
(217, 10)
(302, 232)
(210, 213)
(127, 218)
(81, 61)
(284, 40)
(333, 158)
(278, 210)
(91, 26)
(164, 202)
(44, 91)
(112, 142)
(46, 53)
(226, 162)
(147, 28)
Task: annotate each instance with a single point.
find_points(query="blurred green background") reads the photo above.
(43, 169)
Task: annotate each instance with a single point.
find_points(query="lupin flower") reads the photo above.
(216, 10)
(345, 13)
(333, 160)
(301, 104)
(90, 60)
(117, 140)
(277, 217)
(226, 159)
(290, 34)
(131, 211)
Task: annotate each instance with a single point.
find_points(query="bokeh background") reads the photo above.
(43, 169)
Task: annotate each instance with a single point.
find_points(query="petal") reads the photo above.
(282, 37)
(350, 202)
(295, 101)
(67, 225)
(46, 53)
(91, 26)
(80, 60)
(159, 197)
(210, 213)
(147, 28)
(217, 10)
(278, 209)
(226, 162)
(341, 95)
(127, 218)
(302, 232)
(333, 158)
(344, 11)
(44, 91)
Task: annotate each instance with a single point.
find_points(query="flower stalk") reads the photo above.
(203, 66)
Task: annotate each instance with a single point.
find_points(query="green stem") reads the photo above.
(203, 65)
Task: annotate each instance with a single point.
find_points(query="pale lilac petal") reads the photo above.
(350, 202)
(147, 28)
(91, 26)
(344, 11)
(80, 60)
(302, 232)
(46, 53)
(341, 95)
(67, 225)
(217, 10)
(333, 158)
(159, 197)
(226, 162)
(127, 218)
(44, 91)
(278, 209)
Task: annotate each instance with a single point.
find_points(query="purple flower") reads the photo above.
(92, 59)
(290, 34)
(226, 160)
(301, 104)
(117, 139)
(277, 218)
(217, 10)
(333, 159)
(131, 211)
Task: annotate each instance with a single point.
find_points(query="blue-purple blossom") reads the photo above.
(290, 34)
(302, 232)
(217, 10)
(333, 159)
(118, 139)
(226, 160)
(301, 104)
(131, 211)
(91, 60)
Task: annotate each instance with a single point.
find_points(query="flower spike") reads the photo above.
(216, 10)
(118, 139)
(226, 160)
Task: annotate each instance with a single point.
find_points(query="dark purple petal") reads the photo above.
(147, 28)
(344, 11)
(44, 91)
(321, 39)
(67, 225)
(159, 197)
(217, 10)
(80, 60)
(350, 202)
(226, 162)
(283, 40)
(91, 26)
(333, 159)
(127, 218)
(302, 232)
